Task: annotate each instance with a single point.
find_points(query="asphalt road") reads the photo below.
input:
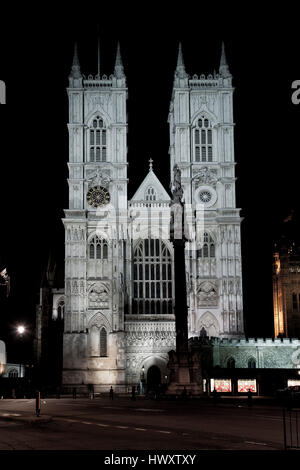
(102, 424)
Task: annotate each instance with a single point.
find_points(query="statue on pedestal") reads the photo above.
(182, 366)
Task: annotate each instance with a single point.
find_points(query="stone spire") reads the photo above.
(223, 69)
(75, 70)
(75, 77)
(180, 69)
(119, 69)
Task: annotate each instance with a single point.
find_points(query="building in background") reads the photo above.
(286, 286)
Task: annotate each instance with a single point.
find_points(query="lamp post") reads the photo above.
(21, 330)
(143, 380)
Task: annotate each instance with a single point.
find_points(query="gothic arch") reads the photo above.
(153, 360)
(99, 320)
(97, 233)
(209, 322)
(144, 234)
(208, 114)
(106, 118)
(151, 193)
(210, 232)
(200, 237)
(230, 362)
(251, 362)
(152, 277)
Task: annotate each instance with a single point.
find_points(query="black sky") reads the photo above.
(35, 60)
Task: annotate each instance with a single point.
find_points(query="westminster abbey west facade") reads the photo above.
(119, 268)
(115, 314)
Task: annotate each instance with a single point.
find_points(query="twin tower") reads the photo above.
(119, 271)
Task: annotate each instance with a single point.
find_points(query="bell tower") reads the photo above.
(202, 145)
(95, 228)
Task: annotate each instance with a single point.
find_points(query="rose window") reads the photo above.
(205, 196)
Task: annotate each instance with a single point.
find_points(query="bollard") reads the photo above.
(38, 404)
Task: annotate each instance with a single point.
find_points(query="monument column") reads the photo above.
(181, 364)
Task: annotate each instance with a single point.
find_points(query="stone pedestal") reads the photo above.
(183, 374)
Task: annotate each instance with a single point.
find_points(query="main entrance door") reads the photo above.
(153, 378)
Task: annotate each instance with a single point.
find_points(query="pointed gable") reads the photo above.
(151, 189)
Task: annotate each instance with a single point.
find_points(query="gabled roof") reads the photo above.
(152, 181)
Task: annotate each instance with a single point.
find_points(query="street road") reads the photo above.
(84, 424)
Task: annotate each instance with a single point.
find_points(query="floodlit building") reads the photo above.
(117, 301)
(286, 288)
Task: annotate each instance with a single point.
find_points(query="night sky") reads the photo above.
(35, 60)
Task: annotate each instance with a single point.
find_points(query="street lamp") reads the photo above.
(143, 380)
(21, 330)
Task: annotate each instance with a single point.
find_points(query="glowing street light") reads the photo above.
(21, 329)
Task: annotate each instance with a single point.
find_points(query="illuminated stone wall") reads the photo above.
(267, 353)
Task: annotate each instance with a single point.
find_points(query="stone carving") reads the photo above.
(150, 340)
(101, 101)
(205, 103)
(75, 287)
(98, 295)
(207, 294)
(153, 326)
(176, 187)
(206, 176)
(98, 178)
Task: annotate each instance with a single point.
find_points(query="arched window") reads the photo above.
(97, 140)
(231, 363)
(208, 247)
(150, 194)
(98, 248)
(203, 143)
(251, 363)
(60, 309)
(103, 342)
(13, 373)
(152, 278)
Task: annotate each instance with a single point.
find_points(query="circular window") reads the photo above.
(205, 196)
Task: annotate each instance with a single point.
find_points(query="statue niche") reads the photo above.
(98, 295)
(207, 294)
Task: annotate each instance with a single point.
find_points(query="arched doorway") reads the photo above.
(153, 378)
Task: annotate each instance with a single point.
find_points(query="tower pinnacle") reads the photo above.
(224, 69)
(75, 70)
(119, 69)
(150, 164)
(180, 68)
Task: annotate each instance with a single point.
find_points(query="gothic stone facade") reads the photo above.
(119, 269)
(119, 276)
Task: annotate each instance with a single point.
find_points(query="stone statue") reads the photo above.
(176, 187)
